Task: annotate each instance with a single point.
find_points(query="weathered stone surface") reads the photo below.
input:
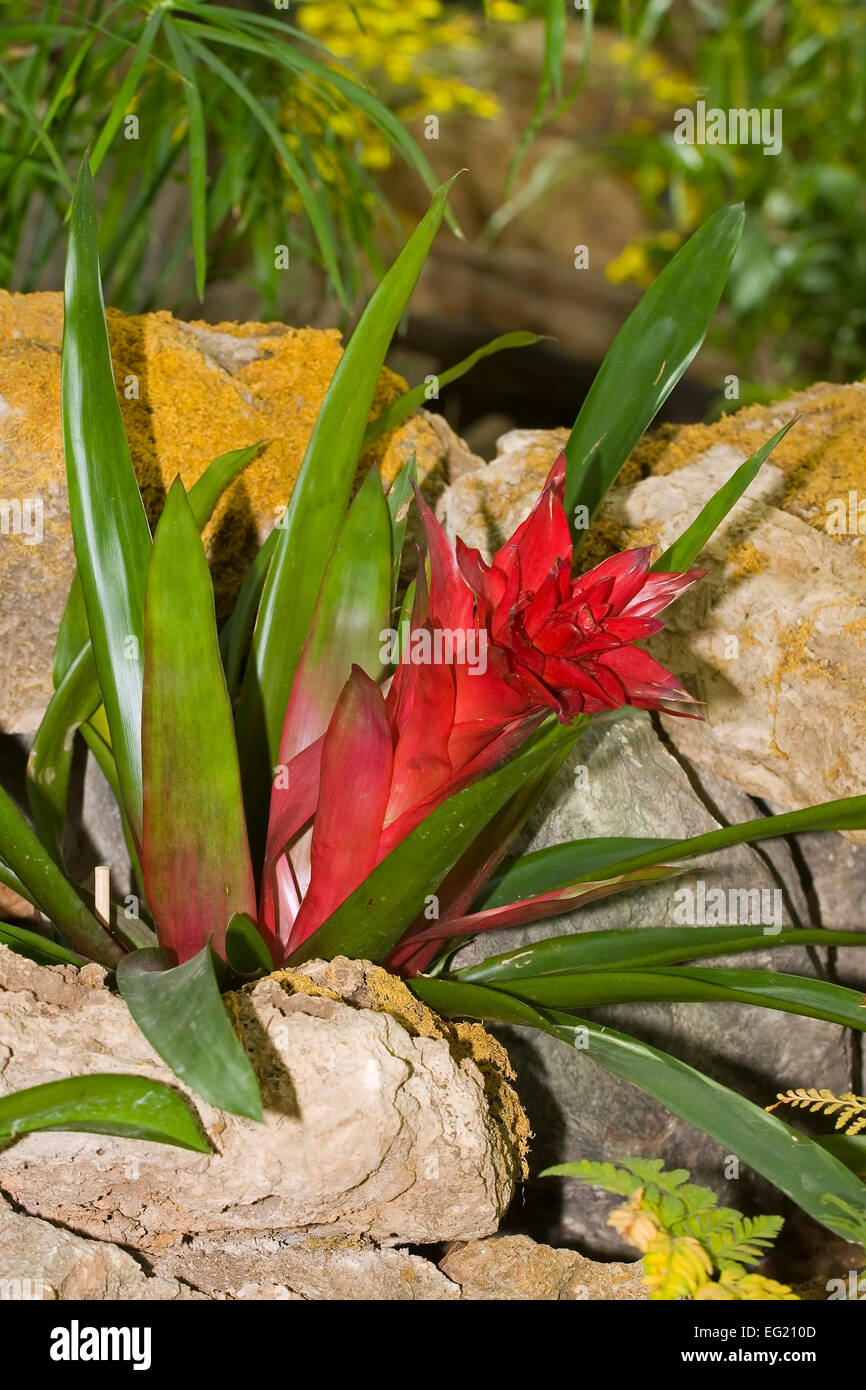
(287, 1265)
(515, 1267)
(41, 1261)
(201, 389)
(373, 1127)
(623, 781)
(774, 639)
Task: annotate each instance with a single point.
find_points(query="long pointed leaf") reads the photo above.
(130, 1107)
(109, 526)
(646, 360)
(195, 855)
(552, 868)
(682, 554)
(39, 948)
(642, 947)
(793, 994)
(48, 888)
(403, 407)
(181, 1013)
(788, 1159)
(310, 526)
(373, 919)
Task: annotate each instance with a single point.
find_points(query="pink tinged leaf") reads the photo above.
(519, 914)
(357, 761)
(421, 760)
(294, 794)
(451, 603)
(195, 856)
(351, 612)
(401, 693)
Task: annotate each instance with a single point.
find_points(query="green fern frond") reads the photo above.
(850, 1110)
(745, 1243)
(603, 1175)
(692, 1247)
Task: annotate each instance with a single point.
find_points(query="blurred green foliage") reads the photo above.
(797, 290)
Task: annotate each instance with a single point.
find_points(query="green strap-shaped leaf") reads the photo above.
(195, 856)
(309, 528)
(181, 1013)
(109, 526)
(50, 762)
(130, 1107)
(792, 1162)
(351, 612)
(128, 86)
(73, 633)
(207, 490)
(399, 503)
(197, 154)
(642, 947)
(793, 994)
(646, 360)
(404, 405)
(246, 952)
(237, 631)
(48, 888)
(547, 869)
(78, 695)
(373, 918)
(682, 554)
(36, 947)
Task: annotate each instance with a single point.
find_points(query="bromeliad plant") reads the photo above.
(297, 787)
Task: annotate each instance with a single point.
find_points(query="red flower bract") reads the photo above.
(549, 643)
(568, 642)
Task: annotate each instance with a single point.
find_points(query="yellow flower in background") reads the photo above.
(412, 49)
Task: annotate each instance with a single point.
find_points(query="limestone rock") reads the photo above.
(515, 1267)
(374, 1126)
(41, 1261)
(281, 1265)
(774, 639)
(188, 391)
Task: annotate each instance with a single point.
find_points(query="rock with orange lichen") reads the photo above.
(774, 640)
(188, 391)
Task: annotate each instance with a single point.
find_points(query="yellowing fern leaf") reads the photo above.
(850, 1110)
(733, 1287)
(675, 1266)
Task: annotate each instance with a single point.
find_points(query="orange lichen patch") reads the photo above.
(364, 985)
(189, 392)
(746, 559)
(822, 457)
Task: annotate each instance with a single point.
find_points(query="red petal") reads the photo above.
(647, 683)
(451, 603)
(628, 571)
(543, 538)
(658, 591)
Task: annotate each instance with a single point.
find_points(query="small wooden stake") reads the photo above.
(102, 892)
